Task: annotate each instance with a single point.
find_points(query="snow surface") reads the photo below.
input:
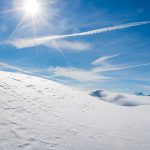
(121, 99)
(38, 114)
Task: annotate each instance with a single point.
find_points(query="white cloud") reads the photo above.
(103, 59)
(22, 43)
(69, 45)
(76, 74)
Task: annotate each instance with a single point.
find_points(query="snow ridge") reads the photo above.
(38, 114)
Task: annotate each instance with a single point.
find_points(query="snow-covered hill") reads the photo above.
(38, 114)
(121, 99)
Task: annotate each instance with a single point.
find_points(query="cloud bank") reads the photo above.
(23, 43)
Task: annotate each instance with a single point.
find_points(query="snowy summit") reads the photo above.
(38, 114)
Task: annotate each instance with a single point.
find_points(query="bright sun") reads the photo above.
(32, 7)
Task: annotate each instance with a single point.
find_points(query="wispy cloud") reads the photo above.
(22, 43)
(44, 73)
(11, 67)
(103, 59)
(69, 45)
(76, 74)
(54, 72)
(115, 68)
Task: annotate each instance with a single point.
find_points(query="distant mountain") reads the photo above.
(97, 93)
(122, 99)
(139, 94)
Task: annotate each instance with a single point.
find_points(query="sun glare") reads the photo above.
(32, 7)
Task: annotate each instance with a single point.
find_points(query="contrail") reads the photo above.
(22, 43)
(99, 69)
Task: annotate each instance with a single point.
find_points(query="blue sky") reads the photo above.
(117, 60)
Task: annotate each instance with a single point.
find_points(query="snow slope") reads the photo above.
(38, 114)
(121, 99)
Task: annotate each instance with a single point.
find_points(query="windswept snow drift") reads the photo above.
(121, 99)
(38, 114)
